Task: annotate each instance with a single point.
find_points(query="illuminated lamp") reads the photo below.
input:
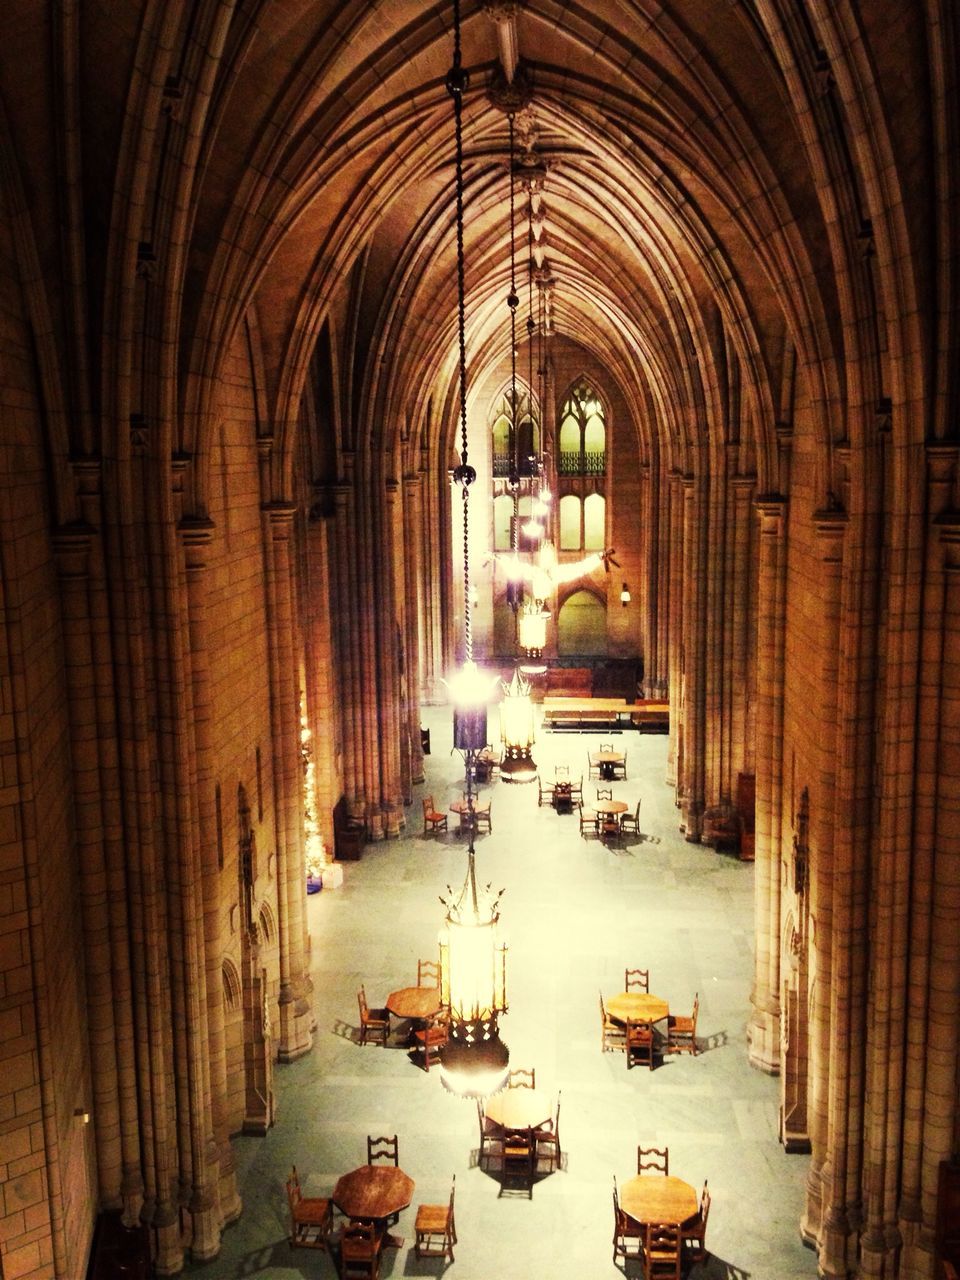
(516, 731)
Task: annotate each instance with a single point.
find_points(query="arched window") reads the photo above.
(583, 433)
(528, 431)
(594, 530)
(582, 626)
(571, 536)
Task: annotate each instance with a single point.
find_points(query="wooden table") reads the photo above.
(519, 1109)
(655, 1198)
(610, 808)
(636, 1006)
(562, 799)
(606, 761)
(418, 1003)
(374, 1191)
(462, 809)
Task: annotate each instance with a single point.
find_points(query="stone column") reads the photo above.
(72, 548)
(295, 1018)
(764, 1031)
(831, 529)
(674, 639)
(196, 536)
(105, 727)
(412, 612)
(694, 623)
(742, 606)
(386, 725)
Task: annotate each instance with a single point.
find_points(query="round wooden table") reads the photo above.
(374, 1191)
(636, 1006)
(518, 1109)
(606, 760)
(655, 1198)
(417, 1003)
(610, 808)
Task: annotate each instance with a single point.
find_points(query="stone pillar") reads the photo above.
(295, 1016)
(112, 799)
(764, 1031)
(196, 536)
(72, 548)
(831, 530)
(674, 610)
(412, 612)
(386, 724)
(693, 632)
(742, 607)
(325, 670)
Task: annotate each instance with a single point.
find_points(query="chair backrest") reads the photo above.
(696, 1010)
(606, 746)
(704, 1205)
(662, 1249)
(453, 1191)
(359, 1240)
(636, 980)
(430, 970)
(383, 1149)
(522, 1078)
(603, 1009)
(428, 806)
(562, 771)
(362, 1002)
(636, 814)
(604, 793)
(653, 1158)
(294, 1194)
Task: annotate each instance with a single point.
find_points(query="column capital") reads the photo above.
(278, 512)
(743, 484)
(71, 547)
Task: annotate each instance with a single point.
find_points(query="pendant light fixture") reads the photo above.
(474, 1061)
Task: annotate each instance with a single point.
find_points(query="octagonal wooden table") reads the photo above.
(516, 1109)
(418, 1003)
(636, 1006)
(374, 1191)
(655, 1198)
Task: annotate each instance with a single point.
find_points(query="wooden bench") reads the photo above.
(583, 713)
(348, 834)
(651, 717)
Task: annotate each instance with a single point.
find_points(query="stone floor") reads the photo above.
(574, 914)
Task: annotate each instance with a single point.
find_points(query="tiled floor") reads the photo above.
(574, 914)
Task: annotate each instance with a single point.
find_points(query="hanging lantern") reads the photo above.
(516, 730)
(473, 987)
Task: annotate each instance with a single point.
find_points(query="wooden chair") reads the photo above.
(491, 1137)
(544, 792)
(374, 1023)
(661, 1251)
(619, 767)
(576, 790)
(613, 1035)
(639, 1043)
(385, 1149)
(311, 1218)
(431, 1038)
(522, 1078)
(562, 773)
(610, 828)
(589, 821)
(360, 1244)
(694, 1235)
(593, 765)
(433, 819)
(481, 817)
(636, 980)
(547, 1139)
(630, 822)
(682, 1032)
(656, 1158)
(607, 747)
(428, 973)
(519, 1159)
(435, 1229)
(604, 793)
(627, 1234)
